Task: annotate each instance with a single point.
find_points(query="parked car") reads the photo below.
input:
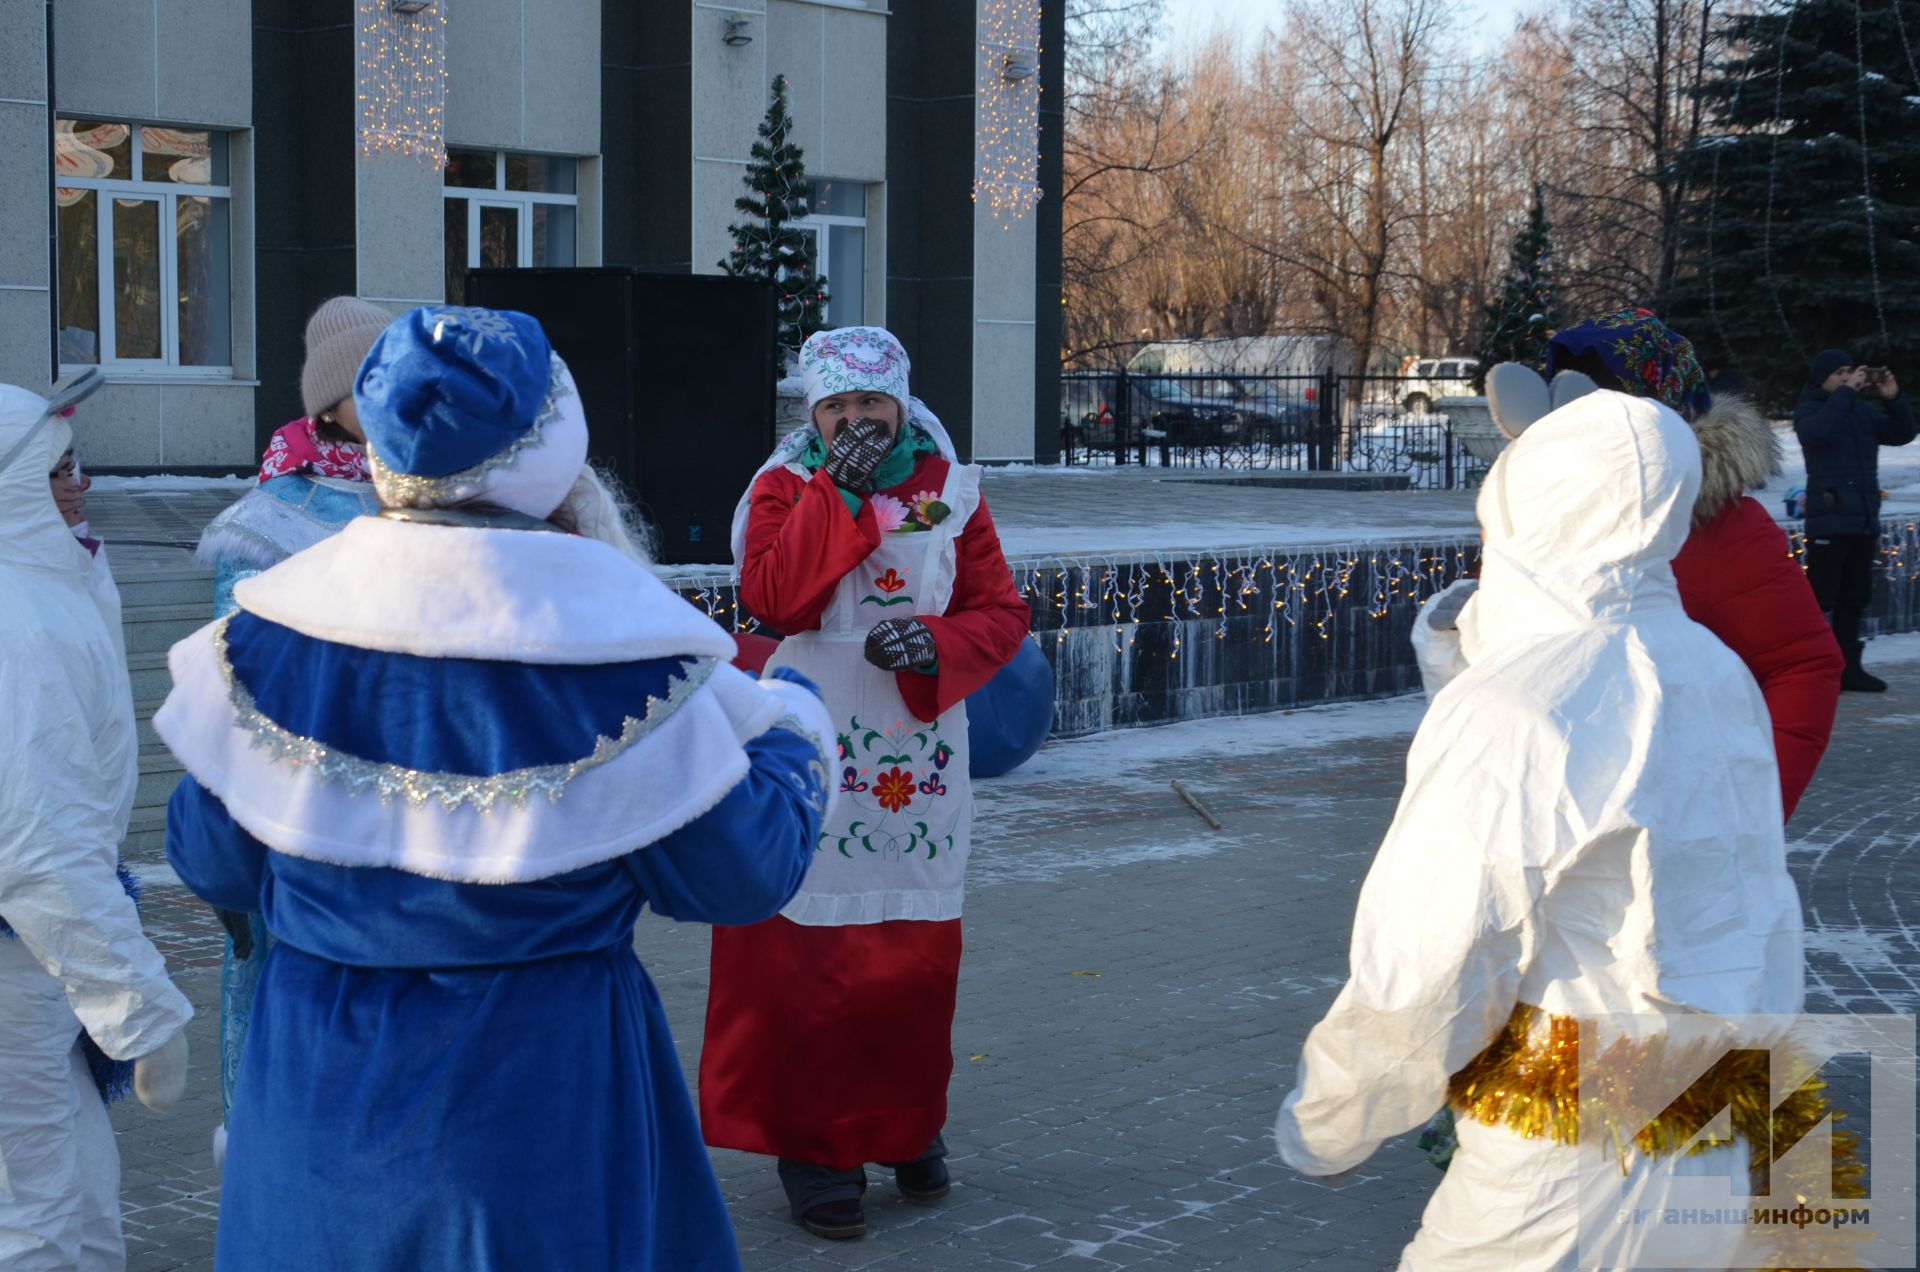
(1271, 413)
(1431, 379)
(1088, 411)
(1186, 412)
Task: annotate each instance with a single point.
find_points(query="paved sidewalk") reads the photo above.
(1135, 991)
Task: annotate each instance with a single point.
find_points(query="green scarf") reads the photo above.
(908, 447)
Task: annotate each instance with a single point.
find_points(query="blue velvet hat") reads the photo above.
(452, 399)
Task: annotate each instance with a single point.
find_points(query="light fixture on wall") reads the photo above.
(1006, 161)
(739, 31)
(407, 8)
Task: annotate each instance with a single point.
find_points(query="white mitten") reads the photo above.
(160, 1076)
(1436, 635)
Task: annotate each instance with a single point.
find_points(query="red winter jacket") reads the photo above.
(801, 541)
(1738, 579)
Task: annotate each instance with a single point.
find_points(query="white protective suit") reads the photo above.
(1591, 825)
(77, 958)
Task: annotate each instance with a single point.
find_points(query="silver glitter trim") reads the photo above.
(407, 490)
(450, 789)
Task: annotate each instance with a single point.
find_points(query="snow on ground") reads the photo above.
(1138, 754)
(171, 483)
(1183, 537)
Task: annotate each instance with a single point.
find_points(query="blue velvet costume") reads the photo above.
(492, 1053)
(449, 758)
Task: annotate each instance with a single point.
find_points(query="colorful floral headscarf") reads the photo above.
(1657, 361)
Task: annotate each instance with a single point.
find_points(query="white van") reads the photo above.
(1431, 379)
(1245, 355)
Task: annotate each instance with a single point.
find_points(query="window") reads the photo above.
(507, 210)
(145, 246)
(837, 222)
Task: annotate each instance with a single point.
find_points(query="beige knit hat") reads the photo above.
(338, 337)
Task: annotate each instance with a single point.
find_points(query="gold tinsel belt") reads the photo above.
(1528, 1081)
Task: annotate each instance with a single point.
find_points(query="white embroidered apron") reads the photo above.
(896, 844)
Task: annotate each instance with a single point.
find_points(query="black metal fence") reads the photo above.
(1302, 423)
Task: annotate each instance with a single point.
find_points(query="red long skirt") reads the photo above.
(830, 1045)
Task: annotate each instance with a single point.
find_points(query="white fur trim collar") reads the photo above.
(678, 771)
(459, 592)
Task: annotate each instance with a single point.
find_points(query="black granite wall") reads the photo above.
(930, 69)
(304, 64)
(646, 134)
(1046, 329)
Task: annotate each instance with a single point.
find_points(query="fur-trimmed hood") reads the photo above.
(1739, 451)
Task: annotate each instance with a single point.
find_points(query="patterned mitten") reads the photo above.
(895, 644)
(857, 450)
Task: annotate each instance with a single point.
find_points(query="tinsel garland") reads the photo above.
(1528, 1080)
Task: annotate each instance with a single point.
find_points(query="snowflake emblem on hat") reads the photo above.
(478, 326)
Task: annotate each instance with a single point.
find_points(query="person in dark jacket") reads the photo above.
(1842, 427)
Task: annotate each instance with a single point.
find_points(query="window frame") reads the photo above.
(166, 193)
(521, 201)
(819, 224)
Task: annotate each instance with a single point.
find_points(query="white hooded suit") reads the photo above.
(1591, 826)
(76, 958)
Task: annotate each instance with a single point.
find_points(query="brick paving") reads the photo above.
(1134, 995)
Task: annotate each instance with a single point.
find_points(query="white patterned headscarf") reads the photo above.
(844, 360)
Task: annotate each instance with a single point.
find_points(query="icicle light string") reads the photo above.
(1913, 70)
(1773, 178)
(402, 83)
(1866, 174)
(1007, 121)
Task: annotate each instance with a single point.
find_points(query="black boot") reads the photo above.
(836, 1221)
(1857, 679)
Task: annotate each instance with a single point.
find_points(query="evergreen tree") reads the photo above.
(1777, 259)
(768, 246)
(1522, 316)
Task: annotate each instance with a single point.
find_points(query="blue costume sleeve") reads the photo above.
(217, 860)
(742, 861)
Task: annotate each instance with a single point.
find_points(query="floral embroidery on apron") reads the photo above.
(896, 844)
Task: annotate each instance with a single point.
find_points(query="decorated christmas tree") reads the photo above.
(1521, 318)
(767, 245)
(1800, 234)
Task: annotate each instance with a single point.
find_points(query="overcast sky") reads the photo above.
(1490, 20)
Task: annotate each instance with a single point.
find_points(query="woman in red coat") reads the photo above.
(1740, 580)
(829, 1027)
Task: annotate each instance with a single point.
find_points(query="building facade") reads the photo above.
(189, 183)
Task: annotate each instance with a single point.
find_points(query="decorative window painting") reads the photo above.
(1006, 164)
(402, 83)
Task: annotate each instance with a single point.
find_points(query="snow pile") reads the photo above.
(172, 483)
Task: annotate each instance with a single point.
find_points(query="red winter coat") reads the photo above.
(801, 541)
(1738, 579)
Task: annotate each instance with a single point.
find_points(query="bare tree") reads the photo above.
(1344, 82)
(1611, 87)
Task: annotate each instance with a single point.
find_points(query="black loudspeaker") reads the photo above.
(676, 372)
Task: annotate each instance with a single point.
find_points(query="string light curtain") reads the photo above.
(403, 80)
(1006, 163)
